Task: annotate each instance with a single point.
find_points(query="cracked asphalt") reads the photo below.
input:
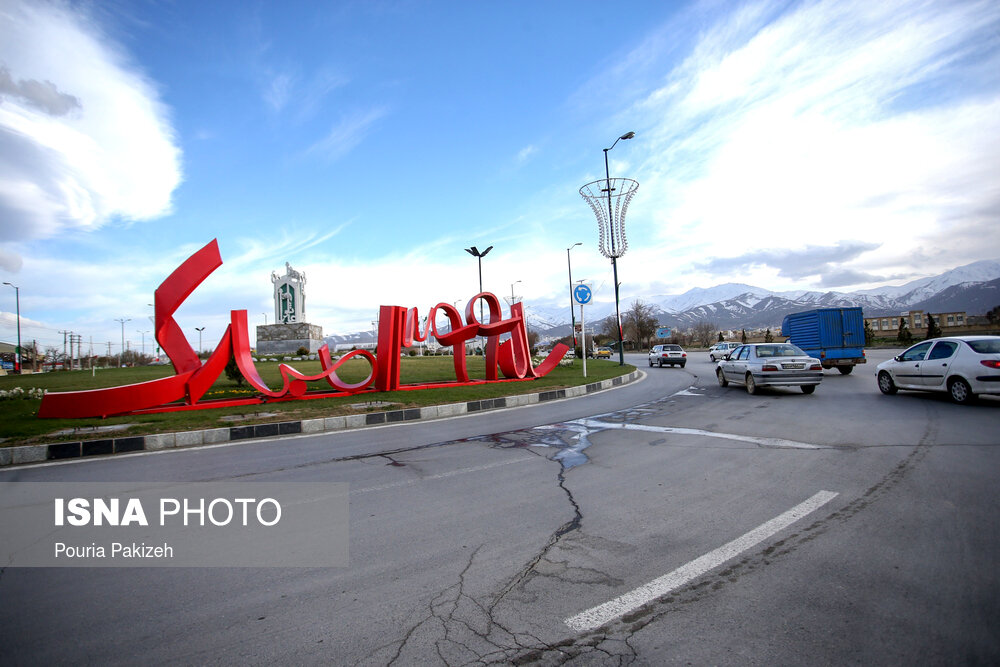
(473, 540)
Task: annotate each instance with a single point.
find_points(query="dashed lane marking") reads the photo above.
(597, 616)
(597, 424)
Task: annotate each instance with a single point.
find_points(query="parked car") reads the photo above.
(770, 365)
(719, 350)
(603, 353)
(962, 366)
(667, 354)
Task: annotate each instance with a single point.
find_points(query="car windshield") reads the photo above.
(782, 350)
(672, 348)
(987, 346)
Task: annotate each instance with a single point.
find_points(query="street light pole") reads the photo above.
(17, 352)
(143, 333)
(123, 320)
(614, 261)
(572, 316)
(512, 297)
(474, 251)
(199, 330)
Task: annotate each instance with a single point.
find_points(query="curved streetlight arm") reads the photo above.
(627, 135)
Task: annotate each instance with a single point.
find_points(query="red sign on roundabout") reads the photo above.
(398, 328)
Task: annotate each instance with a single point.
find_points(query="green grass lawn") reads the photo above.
(20, 425)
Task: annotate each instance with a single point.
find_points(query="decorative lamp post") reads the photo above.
(572, 316)
(17, 352)
(618, 192)
(475, 252)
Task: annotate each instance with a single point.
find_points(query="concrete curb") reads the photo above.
(10, 456)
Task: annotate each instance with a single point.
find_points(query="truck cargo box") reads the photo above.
(835, 336)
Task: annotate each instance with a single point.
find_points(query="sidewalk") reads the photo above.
(108, 446)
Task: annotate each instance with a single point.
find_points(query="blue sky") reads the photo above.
(790, 145)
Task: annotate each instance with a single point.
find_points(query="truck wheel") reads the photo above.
(885, 383)
(960, 391)
(808, 388)
(845, 370)
(751, 385)
(723, 382)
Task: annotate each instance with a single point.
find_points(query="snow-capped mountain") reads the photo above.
(924, 288)
(970, 297)
(699, 296)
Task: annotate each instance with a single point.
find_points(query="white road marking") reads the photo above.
(763, 442)
(601, 614)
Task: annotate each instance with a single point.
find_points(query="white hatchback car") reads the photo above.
(962, 366)
(667, 354)
(719, 350)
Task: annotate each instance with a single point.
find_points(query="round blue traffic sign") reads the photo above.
(582, 294)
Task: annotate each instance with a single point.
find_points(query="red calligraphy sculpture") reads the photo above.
(119, 400)
(294, 382)
(398, 329)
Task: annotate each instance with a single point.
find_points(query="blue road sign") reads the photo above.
(582, 294)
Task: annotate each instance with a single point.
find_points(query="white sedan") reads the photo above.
(758, 365)
(962, 366)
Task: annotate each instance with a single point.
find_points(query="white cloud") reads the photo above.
(83, 134)
(350, 131)
(833, 121)
(525, 153)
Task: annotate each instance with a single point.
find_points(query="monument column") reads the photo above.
(290, 332)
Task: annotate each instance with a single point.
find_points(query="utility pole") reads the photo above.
(78, 359)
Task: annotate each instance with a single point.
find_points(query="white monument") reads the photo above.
(289, 296)
(290, 332)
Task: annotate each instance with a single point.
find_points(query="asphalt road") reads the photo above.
(670, 521)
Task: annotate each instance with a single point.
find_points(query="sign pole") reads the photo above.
(583, 294)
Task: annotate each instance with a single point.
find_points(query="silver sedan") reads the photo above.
(770, 365)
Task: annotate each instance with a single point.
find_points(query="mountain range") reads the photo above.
(973, 289)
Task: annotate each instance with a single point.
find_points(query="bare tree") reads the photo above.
(704, 333)
(639, 322)
(609, 327)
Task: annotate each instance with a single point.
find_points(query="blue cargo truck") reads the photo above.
(835, 336)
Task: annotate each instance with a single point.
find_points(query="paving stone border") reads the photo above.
(138, 443)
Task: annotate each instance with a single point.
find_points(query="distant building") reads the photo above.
(916, 320)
